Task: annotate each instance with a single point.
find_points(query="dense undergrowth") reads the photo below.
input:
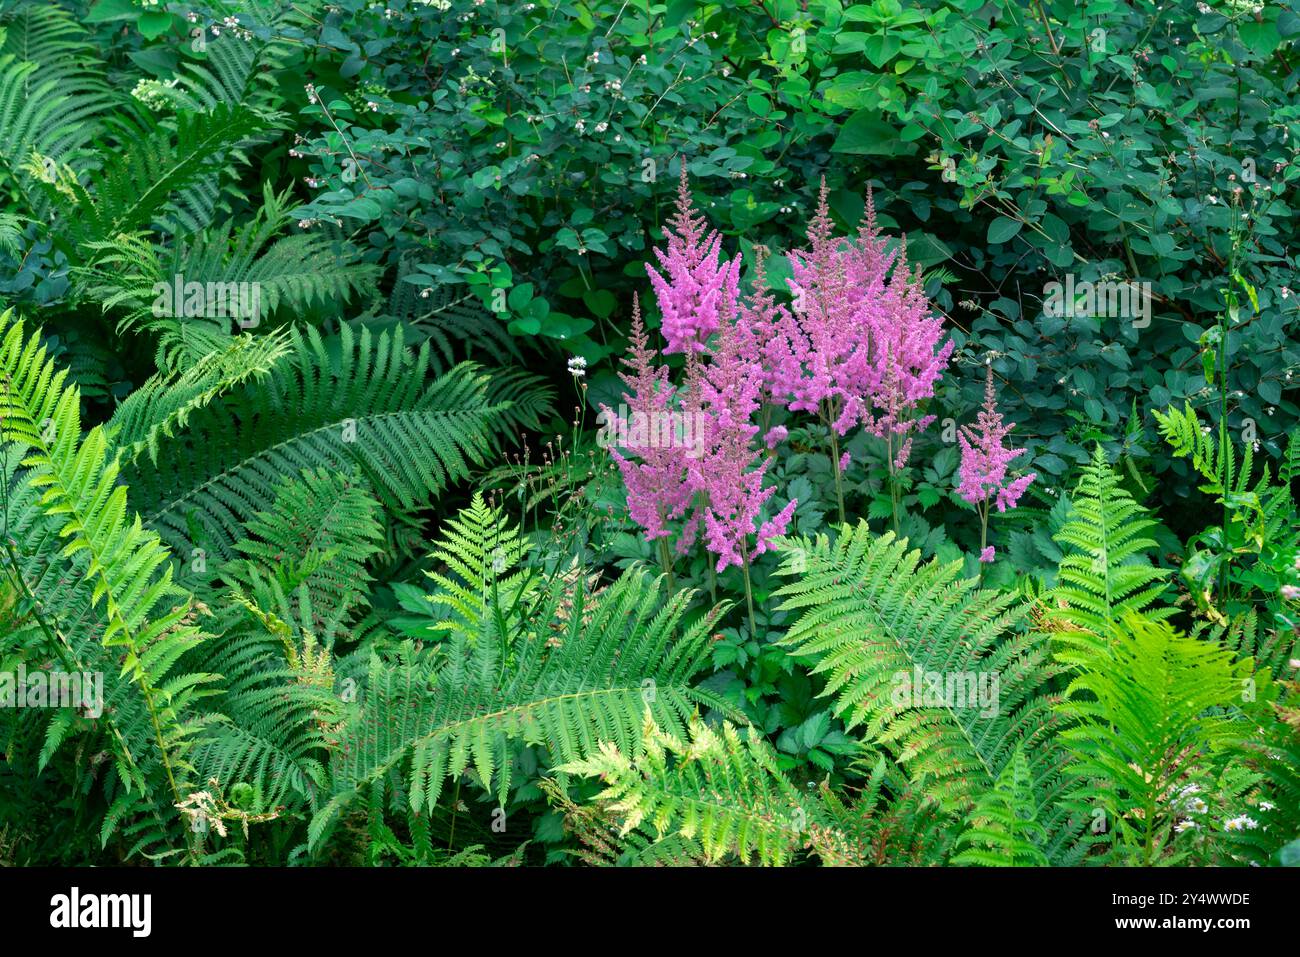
(462, 432)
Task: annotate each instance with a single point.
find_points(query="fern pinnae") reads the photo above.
(872, 613)
(1104, 570)
(128, 567)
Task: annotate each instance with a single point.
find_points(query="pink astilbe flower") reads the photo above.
(775, 436)
(772, 338)
(985, 457)
(658, 487)
(696, 284)
(870, 348)
(728, 477)
(984, 460)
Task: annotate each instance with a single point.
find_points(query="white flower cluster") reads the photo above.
(235, 27)
(153, 93)
(577, 367)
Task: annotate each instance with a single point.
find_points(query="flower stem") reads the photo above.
(749, 590)
(835, 464)
(984, 535)
(665, 558)
(893, 482)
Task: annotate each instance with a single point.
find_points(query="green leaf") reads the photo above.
(1261, 38)
(106, 10)
(154, 24)
(1002, 229)
(866, 134)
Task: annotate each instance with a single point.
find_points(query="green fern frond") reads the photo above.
(1002, 829)
(1105, 572)
(872, 617)
(270, 726)
(887, 820)
(48, 35)
(161, 407)
(1210, 450)
(348, 403)
(580, 670)
(601, 844)
(1272, 649)
(46, 118)
(226, 268)
(481, 550)
(317, 538)
(720, 787)
(1153, 711)
(147, 618)
(136, 184)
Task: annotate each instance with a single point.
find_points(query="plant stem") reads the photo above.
(835, 464)
(893, 481)
(749, 590)
(665, 559)
(984, 535)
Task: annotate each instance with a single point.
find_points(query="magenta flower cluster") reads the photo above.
(860, 347)
(696, 284)
(658, 491)
(985, 457)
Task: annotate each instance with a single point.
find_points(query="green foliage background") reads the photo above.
(441, 202)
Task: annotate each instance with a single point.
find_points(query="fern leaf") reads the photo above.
(884, 628)
(720, 787)
(1105, 572)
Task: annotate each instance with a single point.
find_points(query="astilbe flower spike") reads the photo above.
(658, 490)
(728, 476)
(696, 284)
(984, 460)
(869, 349)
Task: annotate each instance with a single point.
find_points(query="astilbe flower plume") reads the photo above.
(696, 283)
(728, 475)
(658, 487)
(984, 460)
(869, 350)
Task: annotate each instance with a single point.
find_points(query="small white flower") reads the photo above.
(1241, 823)
(577, 367)
(1185, 826)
